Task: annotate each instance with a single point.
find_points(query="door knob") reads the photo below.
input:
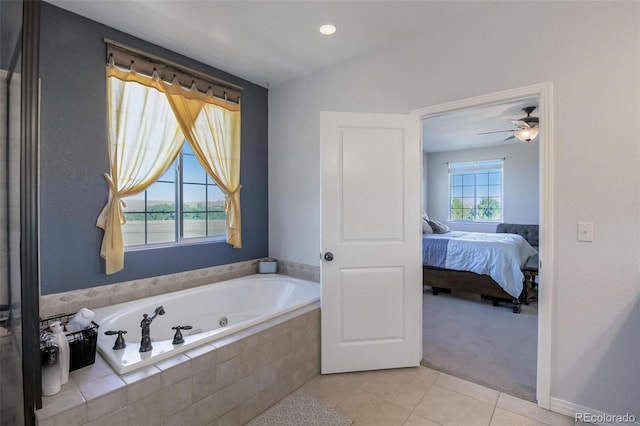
(328, 256)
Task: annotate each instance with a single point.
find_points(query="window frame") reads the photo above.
(179, 212)
(477, 167)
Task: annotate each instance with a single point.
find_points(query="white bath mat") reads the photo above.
(300, 409)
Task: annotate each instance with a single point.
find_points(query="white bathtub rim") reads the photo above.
(163, 349)
(124, 306)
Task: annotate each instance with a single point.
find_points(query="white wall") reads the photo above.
(591, 53)
(425, 181)
(521, 196)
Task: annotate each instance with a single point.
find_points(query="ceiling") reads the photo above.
(459, 130)
(269, 42)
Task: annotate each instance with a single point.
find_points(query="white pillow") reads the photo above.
(438, 227)
(426, 228)
(425, 216)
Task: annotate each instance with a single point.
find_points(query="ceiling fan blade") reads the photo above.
(521, 123)
(499, 131)
(509, 138)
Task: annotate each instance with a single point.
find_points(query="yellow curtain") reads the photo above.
(144, 139)
(212, 128)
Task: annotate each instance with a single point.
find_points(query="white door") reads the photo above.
(371, 270)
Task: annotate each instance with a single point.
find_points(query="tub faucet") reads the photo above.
(145, 343)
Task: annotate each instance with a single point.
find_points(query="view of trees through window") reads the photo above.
(184, 203)
(476, 191)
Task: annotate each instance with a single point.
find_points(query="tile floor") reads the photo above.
(424, 397)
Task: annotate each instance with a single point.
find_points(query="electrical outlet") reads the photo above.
(585, 231)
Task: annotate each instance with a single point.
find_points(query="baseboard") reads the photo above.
(570, 409)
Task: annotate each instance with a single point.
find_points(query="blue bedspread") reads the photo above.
(434, 252)
(501, 256)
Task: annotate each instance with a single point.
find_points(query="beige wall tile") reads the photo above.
(227, 348)
(142, 383)
(227, 373)
(116, 418)
(249, 360)
(93, 389)
(203, 358)
(205, 411)
(76, 416)
(230, 418)
(204, 384)
(283, 365)
(174, 369)
(176, 397)
(267, 376)
(247, 387)
(250, 409)
(69, 397)
(181, 418)
(106, 404)
(146, 411)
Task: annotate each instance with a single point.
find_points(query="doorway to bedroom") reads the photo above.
(483, 171)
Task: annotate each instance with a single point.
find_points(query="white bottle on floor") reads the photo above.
(51, 374)
(64, 355)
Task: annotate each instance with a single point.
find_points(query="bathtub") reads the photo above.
(213, 311)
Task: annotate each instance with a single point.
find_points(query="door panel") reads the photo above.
(370, 202)
(384, 288)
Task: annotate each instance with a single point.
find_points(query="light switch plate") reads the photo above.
(585, 231)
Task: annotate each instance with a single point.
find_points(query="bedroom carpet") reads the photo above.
(481, 343)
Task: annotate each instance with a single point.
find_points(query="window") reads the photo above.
(186, 192)
(149, 117)
(475, 191)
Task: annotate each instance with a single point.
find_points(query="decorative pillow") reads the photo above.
(426, 228)
(425, 216)
(438, 227)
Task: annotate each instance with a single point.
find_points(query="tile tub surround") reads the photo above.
(227, 382)
(97, 297)
(299, 270)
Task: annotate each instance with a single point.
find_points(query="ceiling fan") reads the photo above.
(527, 127)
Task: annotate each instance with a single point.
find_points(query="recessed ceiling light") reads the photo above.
(327, 29)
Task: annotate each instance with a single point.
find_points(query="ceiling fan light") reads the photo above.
(527, 134)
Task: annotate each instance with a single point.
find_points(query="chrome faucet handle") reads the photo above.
(120, 343)
(177, 338)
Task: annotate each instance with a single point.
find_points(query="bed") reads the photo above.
(483, 263)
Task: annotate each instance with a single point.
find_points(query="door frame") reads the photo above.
(544, 92)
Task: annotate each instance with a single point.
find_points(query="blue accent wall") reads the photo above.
(74, 156)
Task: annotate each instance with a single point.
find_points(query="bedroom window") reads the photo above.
(183, 204)
(475, 191)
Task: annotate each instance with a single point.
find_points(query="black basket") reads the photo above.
(82, 344)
